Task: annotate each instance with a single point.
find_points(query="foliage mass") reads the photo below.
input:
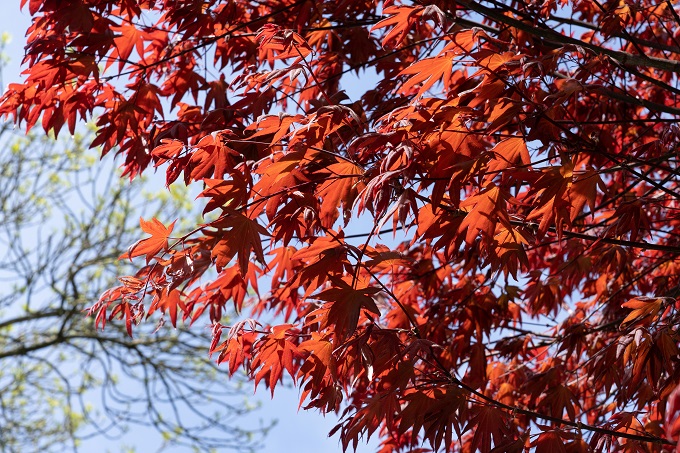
(474, 247)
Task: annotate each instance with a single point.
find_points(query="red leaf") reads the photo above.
(346, 306)
(487, 208)
(402, 18)
(151, 246)
(240, 236)
(644, 310)
(549, 442)
(275, 353)
(342, 184)
(130, 37)
(489, 425)
(33, 6)
(428, 72)
(168, 303)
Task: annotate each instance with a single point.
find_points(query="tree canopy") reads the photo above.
(64, 386)
(453, 223)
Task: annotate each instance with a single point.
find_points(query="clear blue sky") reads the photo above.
(299, 432)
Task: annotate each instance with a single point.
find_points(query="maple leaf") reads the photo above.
(318, 370)
(551, 188)
(548, 442)
(433, 410)
(282, 262)
(320, 348)
(244, 237)
(489, 426)
(123, 310)
(487, 208)
(508, 153)
(343, 181)
(33, 6)
(387, 260)
(510, 248)
(644, 310)
(476, 375)
(428, 72)
(346, 306)
(275, 125)
(236, 350)
(559, 399)
(276, 353)
(168, 302)
(324, 257)
(211, 157)
(224, 193)
(584, 190)
(151, 246)
(402, 18)
(130, 38)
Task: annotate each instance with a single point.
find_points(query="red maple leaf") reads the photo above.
(150, 246)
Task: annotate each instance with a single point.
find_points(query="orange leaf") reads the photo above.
(508, 153)
(33, 6)
(644, 309)
(428, 72)
(346, 307)
(487, 209)
(275, 353)
(584, 190)
(402, 18)
(339, 189)
(276, 125)
(320, 348)
(153, 245)
(168, 303)
(242, 237)
(129, 38)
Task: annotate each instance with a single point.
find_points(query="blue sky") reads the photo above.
(296, 431)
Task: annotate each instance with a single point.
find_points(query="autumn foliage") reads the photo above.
(462, 216)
